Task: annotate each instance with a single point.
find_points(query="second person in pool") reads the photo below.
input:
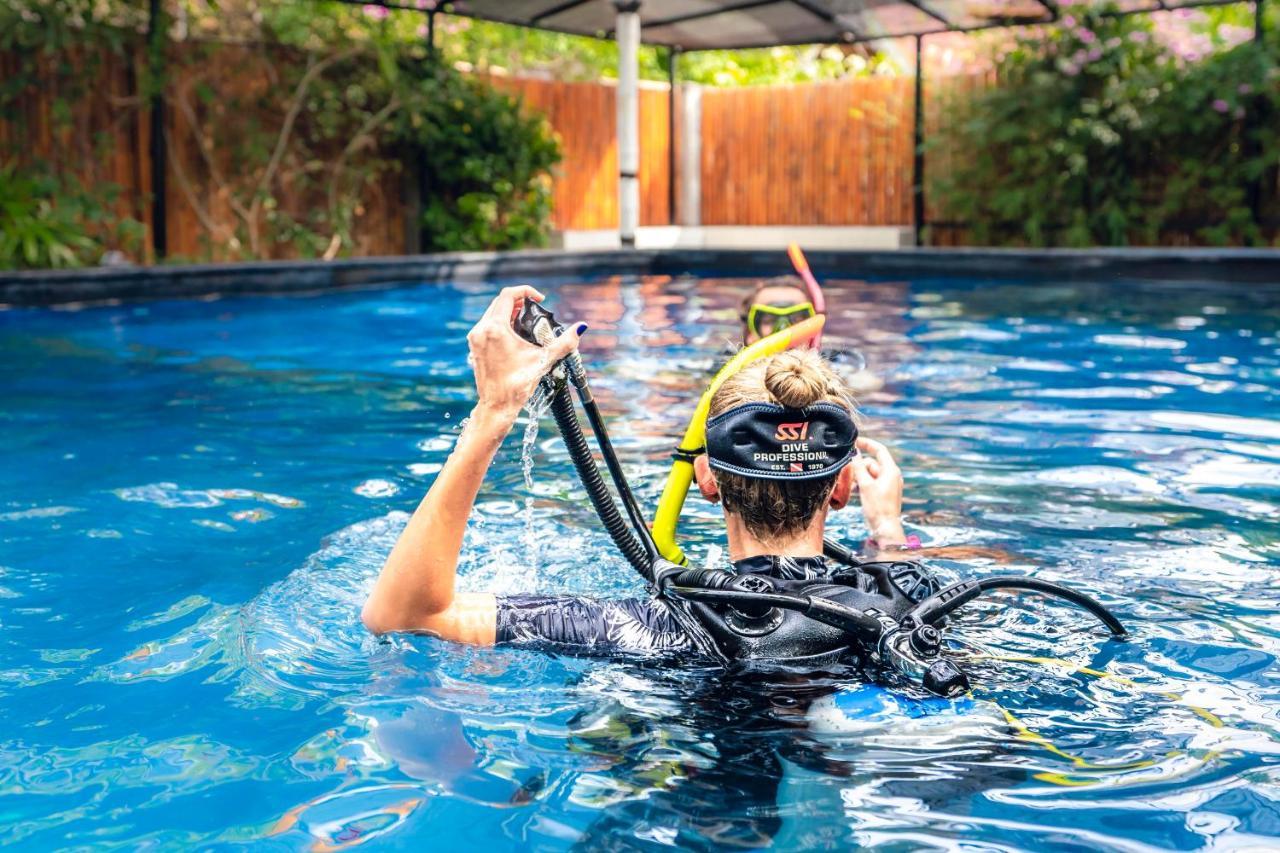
(773, 304)
(783, 453)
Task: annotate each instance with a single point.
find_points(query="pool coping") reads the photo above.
(108, 284)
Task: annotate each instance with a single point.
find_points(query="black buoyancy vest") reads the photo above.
(751, 634)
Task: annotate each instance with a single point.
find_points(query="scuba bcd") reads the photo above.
(750, 617)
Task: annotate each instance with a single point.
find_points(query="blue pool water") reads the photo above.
(195, 497)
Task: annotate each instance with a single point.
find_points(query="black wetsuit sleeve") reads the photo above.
(572, 625)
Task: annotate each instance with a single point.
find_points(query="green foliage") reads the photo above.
(308, 150)
(484, 163)
(34, 231)
(55, 51)
(299, 112)
(777, 65)
(1098, 134)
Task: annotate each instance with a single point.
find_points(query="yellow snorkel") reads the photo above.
(667, 517)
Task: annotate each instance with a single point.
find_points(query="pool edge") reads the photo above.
(105, 284)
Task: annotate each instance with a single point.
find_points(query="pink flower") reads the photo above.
(1244, 88)
(1239, 113)
(1069, 21)
(423, 32)
(1114, 42)
(1095, 53)
(1070, 69)
(1087, 36)
(1139, 37)
(373, 10)
(1221, 105)
(1233, 34)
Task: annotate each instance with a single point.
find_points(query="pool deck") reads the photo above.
(109, 284)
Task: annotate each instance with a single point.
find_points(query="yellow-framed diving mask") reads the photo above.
(764, 320)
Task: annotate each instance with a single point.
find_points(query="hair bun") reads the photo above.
(795, 380)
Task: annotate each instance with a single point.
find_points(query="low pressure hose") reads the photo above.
(537, 325)
(585, 464)
(935, 607)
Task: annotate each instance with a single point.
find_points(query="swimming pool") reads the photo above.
(196, 495)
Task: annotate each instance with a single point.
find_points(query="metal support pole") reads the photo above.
(155, 142)
(1255, 122)
(673, 79)
(628, 30)
(917, 163)
(431, 33)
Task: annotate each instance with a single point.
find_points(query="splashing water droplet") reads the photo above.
(537, 406)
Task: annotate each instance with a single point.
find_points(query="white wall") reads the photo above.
(744, 237)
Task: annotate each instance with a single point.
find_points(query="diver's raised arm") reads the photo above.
(880, 492)
(415, 590)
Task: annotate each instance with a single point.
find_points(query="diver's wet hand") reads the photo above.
(880, 491)
(507, 367)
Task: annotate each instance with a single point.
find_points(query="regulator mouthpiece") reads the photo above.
(536, 324)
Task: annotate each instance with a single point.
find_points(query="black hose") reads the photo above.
(938, 605)
(571, 431)
(840, 552)
(1048, 588)
(638, 525)
(862, 626)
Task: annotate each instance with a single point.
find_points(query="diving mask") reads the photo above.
(764, 320)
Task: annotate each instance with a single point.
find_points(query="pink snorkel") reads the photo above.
(811, 285)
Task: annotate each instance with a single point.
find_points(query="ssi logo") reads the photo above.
(792, 432)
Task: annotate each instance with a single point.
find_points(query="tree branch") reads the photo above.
(360, 138)
(314, 70)
(188, 191)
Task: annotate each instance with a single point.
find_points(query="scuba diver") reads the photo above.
(775, 442)
(774, 304)
(775, 512)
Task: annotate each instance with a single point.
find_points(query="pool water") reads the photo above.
(197, 495)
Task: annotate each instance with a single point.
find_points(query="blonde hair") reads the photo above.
(774, 510)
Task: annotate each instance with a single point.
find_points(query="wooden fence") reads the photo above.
(828, 153)
(101, 139)
(835, 153)
(585, 117)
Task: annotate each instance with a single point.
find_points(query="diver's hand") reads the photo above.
(508, 367)
(880, 491)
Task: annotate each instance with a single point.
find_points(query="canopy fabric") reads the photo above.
(704, 24)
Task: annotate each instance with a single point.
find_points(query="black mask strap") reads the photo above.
(767, 441)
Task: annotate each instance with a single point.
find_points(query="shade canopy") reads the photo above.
(705, 25)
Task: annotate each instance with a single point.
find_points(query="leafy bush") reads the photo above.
(288, 121)
(298, 161)
(57, 209)
(1095, 133)
(34, 232)
(42, 221)
(485, 165)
